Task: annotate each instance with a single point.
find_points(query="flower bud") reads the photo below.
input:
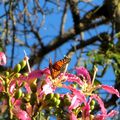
(33, 98)
(91, 117)
(54, 101)
(57, 95)
(92, 102)
(7, 80)
(23, 106)
(3, 82)
(66, 101)
(7, 73)
(74, 85)
(49, 96)
(33, 87)
(26, 98)
(57, 102)
(17, 75)
(18, 93)
(23, 63)
(50, 107)
(92, 107)
(25, 74)
(17, 68)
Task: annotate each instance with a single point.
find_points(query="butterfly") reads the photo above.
(58, 67)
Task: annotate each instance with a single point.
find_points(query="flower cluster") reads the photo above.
(35, 95)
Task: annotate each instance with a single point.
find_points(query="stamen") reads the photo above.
(94, 75)
(27, 61)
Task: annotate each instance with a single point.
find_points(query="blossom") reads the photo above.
(21, 114)
(2, 58)
(84, 92)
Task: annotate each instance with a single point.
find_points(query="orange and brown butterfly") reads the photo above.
(58, 67)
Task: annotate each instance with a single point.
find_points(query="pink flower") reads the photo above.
(21, 114)
(78, 96)
(81, 71)
(2, 58)
(73, 116)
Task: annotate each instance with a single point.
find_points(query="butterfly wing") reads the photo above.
(57, 67)
(61, 63)
(53, 71)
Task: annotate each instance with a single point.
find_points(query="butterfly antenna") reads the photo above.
(50, 61)
(65, 56)
(65, 68)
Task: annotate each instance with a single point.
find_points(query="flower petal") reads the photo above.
(105, 116)
(47, 89)
(86, 110)
(112, 113)
(73, 78)
(100, 102)
(73, 116)
(77, 97)
(78, 93)
(37, 74)
(84, 73)
(111, 90)
(74, 103)
(2, 58)
(21, 114)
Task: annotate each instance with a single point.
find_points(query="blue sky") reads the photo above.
(51, 29)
